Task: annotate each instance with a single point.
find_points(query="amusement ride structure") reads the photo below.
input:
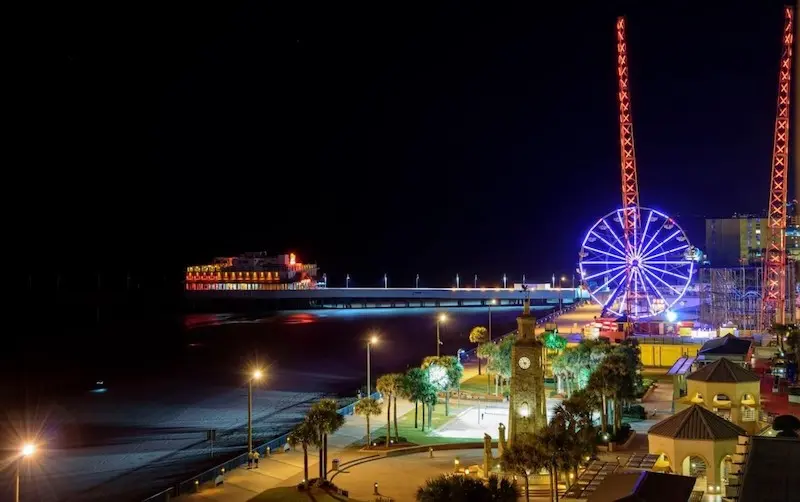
(773, 297)
(635, 261)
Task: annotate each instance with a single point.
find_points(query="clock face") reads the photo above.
(524, 362)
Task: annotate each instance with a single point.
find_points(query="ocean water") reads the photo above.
(121, 409)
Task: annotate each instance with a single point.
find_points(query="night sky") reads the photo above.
(377, 137)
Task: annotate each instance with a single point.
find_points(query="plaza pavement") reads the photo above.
(286, 469)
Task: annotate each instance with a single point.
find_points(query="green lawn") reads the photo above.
(477, 384)
(405, 425)
(292, 494)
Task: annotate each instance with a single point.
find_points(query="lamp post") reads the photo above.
(416, 282)
(347, 281)
(26, 451)
(560, 292)
(439, 320)
(385, 281)
(458, 282)
(256, 375)
(491, 302)
(372, 340)
(475, 282)
(505, 281)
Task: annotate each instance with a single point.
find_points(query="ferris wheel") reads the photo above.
(643, 279)
(634, 261)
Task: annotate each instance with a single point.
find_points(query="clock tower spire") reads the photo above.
(527, 407)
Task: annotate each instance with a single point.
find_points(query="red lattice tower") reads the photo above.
(630, 182)
(773, 305)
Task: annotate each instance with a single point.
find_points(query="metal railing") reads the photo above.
(192, 484)
(472, 353)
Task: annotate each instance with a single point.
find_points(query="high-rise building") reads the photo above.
(735, 241)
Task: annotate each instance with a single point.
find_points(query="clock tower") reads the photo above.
(527, 407)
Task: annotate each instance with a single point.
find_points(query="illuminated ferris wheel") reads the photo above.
(643, 279)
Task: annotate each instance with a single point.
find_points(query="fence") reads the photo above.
(192, 484)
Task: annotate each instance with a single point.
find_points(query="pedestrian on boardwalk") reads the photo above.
(255, 458)
(249, 459)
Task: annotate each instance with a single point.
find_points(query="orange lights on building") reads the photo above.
(251, 271)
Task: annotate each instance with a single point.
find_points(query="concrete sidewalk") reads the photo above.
(284, 469)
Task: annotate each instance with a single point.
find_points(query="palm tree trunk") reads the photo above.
(396, 433)
(305, 466)
(388, 418)
(552, 489)
(556, 482)
(416, 410)
(369, 439)
(488, 382)
(479, 366)
(321, 465)
(447, 402)
(527, 489)
(325, 456)
(604, 416)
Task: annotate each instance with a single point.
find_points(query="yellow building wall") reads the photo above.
(735, 391)
(660, 355)
(664, 356)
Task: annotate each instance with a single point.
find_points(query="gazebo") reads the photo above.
(698, 443)
(727, 389)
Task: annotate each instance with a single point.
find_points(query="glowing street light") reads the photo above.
(439, 320)
(372, 341)
(26, 451)
(491, 302)
(254, 376)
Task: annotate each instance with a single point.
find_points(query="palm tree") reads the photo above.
(555, 445)
(324, 415)
(502, 490)
(572, 420)
(448, 487)
(415, 386)
(388, 386)
(479, 335)
(368, 407)
(399, 381)
(489, 352)
(524, 457)
(304, 434)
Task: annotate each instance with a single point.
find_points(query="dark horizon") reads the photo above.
(449, 139)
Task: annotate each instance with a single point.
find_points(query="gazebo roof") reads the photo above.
(727, 344)
(723, 371)
(697, 423)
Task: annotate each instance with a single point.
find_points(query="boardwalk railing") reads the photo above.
(552, 316)
(192, 484)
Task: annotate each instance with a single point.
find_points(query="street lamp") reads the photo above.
(439, 320)
(372, 340)
(27, 450)
(505, 281)
(560, 287)
(254, 376)
(347, 281)
(491, 302)
(475, 282)
(458, 282)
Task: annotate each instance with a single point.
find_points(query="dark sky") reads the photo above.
(380, 137)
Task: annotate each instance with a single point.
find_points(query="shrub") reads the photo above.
(381, 440)
(635, 411)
